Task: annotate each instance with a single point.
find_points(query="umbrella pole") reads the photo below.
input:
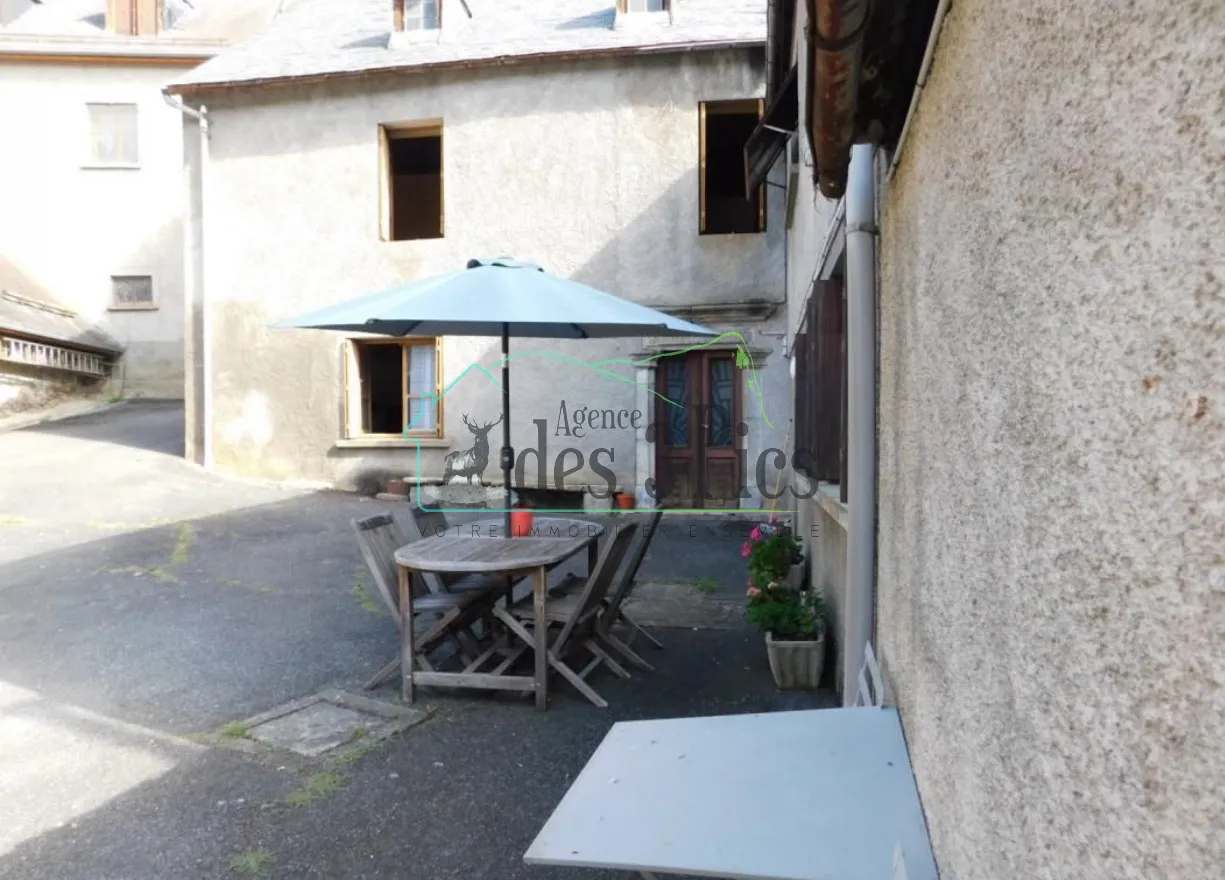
(508, 454)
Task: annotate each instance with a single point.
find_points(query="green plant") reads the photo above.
(771, 550)
(255, 863)
(235, 730)
(786, 613)
(318, 786)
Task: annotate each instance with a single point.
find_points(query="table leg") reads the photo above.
(540, 585)
(593, 556)
(406, 634)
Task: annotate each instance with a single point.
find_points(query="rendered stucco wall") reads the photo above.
(1052, 457)
(590, 169)
(65, 229)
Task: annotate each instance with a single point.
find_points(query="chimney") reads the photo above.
(134, 18)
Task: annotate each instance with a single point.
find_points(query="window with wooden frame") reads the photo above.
(410, 159)
(391, 388)
(132, 292)
(820, 387)
(724, 128)
(113, 136)
(416, 15)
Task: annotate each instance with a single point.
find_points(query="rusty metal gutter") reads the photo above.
(471, 64)
(836, 32)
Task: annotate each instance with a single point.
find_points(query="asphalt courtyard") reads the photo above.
(145, 604)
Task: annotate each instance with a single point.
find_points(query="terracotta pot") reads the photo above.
(625, 501)
(521, 523)
(796, 665)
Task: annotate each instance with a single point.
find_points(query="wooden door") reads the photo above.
(696, 436)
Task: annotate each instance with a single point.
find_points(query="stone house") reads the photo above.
(356, 145)
(1005, 314)
(91, 213)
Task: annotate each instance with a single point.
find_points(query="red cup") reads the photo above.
(521, 523)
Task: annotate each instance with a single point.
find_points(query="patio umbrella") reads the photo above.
(498, 297)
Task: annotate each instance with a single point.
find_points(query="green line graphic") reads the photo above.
(744, 360)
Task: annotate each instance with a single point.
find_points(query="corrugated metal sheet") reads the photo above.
(46, 322)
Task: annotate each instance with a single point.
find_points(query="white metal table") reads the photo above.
(826, 794)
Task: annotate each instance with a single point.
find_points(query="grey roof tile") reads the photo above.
(312, 38)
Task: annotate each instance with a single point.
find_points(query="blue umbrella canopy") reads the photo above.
(494, 298)
(499, 297)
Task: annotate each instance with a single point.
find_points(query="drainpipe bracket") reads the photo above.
(869, 228)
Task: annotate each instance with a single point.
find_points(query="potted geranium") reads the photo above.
(793, 620)
(774, 555)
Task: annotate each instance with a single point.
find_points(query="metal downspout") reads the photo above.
(206, 330)
(861, 235)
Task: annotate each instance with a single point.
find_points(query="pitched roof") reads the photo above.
(44, 321)
(321, 38)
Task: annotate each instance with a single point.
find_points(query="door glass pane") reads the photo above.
(721, 430)
(676, 389)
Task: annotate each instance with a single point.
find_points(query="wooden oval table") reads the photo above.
(482, 548)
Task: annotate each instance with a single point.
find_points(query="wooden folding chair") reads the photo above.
(623, 588)
(379, 538)
(575, 615)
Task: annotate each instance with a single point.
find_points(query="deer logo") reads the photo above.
(470, 462)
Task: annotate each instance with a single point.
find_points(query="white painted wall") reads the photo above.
(65, 229)
(590, 169)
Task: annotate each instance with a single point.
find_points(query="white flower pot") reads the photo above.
(796, 665)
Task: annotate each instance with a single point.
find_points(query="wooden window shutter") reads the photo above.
(803, 441)
(826, 317)
(352, 409)
(842, 471)
(701, 167)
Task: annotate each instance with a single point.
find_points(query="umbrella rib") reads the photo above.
(582, 334)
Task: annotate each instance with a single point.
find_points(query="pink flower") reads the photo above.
(745, 550)
(755, 534)
(753, 592)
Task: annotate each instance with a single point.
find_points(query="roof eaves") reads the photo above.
(108, 48)
(507, 60)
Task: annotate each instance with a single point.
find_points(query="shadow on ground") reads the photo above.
(117, 649)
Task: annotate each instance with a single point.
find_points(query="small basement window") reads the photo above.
(412, 172)
(725, 128)
(113, 135)
(415, 15)
(391, 388)
(132, 292)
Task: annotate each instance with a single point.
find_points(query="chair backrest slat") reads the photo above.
(598, 583)
(429, 524)
(379, 537)
(624, 584)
